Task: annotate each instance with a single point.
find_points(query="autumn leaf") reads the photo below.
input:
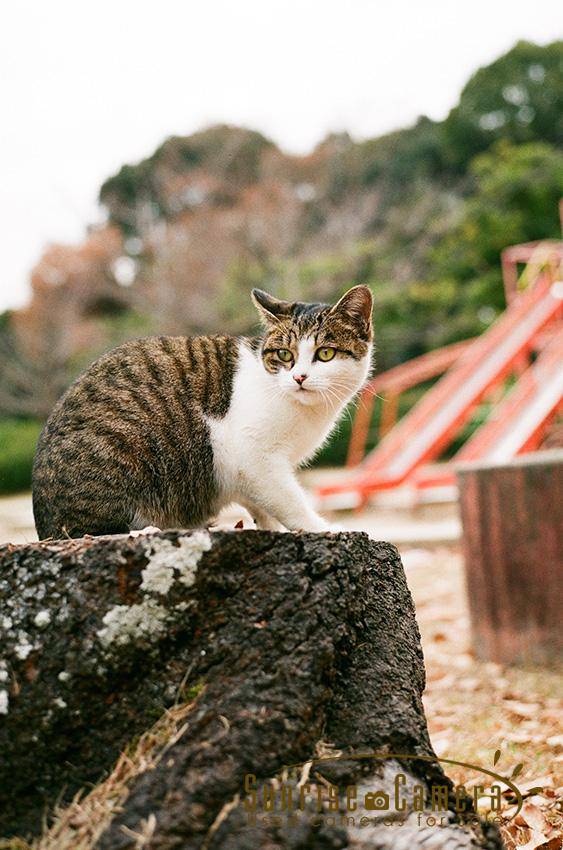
(539, 841)
(532, 816)
(522, 709)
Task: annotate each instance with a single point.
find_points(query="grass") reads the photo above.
(80, 825)
(18, 438)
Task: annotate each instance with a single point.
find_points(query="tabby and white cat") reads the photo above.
(166, 431)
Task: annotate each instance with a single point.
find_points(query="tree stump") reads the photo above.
(512, 517)
(287, 645)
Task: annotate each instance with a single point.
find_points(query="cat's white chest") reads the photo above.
(262, 429)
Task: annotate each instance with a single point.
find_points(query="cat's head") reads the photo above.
(317, 353)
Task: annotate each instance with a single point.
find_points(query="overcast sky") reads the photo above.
(86, 86)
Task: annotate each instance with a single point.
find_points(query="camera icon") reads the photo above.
(376, 801)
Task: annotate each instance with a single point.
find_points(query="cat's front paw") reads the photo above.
(148, 529)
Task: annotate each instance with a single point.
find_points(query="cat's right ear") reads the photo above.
(271, 309)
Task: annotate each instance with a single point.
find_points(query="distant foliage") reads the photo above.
(515, 199)
(18, 438)
(519, 97)
(145, 191)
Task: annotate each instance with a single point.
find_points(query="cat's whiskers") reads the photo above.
(345, 398)
(327, 401)
(340, 389)
(331, 395)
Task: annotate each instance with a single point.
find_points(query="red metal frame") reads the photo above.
(540, 388)
(395, 381)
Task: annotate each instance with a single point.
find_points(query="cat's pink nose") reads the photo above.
(299, 378)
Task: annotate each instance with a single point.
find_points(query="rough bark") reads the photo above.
(302, 641)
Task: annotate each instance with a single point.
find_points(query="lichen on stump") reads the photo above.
(303, 642)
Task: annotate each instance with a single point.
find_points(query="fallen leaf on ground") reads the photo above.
(539, 841)
(541, 782)
(522, 709)
(522, 738)
(533, 817)
(469, 684)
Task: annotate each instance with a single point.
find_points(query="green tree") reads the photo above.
(515, 199)
(519, 97)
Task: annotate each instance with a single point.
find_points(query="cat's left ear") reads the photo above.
(356, 303)
(271, 309)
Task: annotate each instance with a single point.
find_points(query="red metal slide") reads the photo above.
(422, 434)
(516, 424)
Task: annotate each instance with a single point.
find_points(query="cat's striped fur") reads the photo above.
(165, 431)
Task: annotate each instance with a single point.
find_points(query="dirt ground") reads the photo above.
(474, 709)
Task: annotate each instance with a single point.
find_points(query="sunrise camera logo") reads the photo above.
(292, 795)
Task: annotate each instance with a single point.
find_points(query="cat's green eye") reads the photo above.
(326, 354)
(285, 355)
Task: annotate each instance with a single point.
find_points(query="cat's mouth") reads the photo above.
(305, 395)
